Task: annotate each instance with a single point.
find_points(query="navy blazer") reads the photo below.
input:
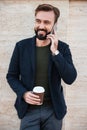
(21, 74)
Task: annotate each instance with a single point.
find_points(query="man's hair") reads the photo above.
(46, 8)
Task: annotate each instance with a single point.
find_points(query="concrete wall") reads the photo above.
(16, 23)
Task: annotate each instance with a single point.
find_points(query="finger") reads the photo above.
(35, 103)
(51, 36)
(33, 99)
(51, 39)
(33, 95)
(30, 101)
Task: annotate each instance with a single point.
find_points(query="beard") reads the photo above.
(41, 36)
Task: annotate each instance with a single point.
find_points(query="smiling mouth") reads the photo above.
(42, 30)
(41, 33)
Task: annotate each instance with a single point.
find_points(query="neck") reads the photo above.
(42, 43)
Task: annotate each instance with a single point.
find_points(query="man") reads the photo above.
(42, 60)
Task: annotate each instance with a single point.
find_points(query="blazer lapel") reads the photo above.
(33, 53)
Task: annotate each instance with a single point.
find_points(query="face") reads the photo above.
(44, 22)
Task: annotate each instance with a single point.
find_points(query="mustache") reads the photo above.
(40, 36)
(42, 30)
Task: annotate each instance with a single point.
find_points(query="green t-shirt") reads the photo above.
(42, 61)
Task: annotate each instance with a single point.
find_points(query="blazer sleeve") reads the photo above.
(13, 75)
(64, 65)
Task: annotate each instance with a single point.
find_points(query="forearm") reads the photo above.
(66, 70)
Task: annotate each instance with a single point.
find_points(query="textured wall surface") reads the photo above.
(16, 23)
(76, 95)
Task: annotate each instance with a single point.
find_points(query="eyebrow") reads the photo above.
(43, 20)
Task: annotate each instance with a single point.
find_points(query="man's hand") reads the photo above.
(31, 98)
(54, 42)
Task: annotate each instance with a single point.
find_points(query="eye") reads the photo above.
(47, 22)
(38, 21)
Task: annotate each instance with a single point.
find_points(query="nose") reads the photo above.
(41, 25)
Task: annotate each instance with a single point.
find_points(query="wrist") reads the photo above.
(56, 52)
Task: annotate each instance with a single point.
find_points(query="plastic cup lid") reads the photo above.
(38, 89)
